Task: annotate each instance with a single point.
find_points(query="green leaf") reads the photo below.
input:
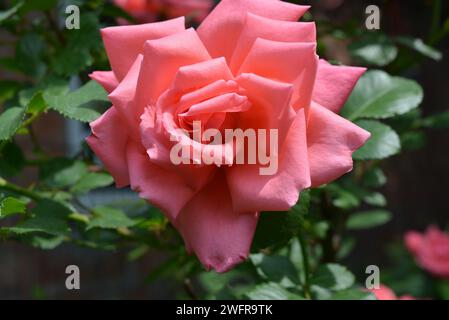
(413, 140)
(379, 95)
(320, 229)
(8, 89)
(138, 252)
(49, 86)
(319, 293)
(46, 243)
(374, 50)
(48, 217)
(277, 269)
(76, 55)
(37, 104)
(333, 276)
(62, 172)
(384, 141)
(213, 282)
(375, 199)
(10, 120)
(346, 247)
(277, 228)
(10, 206)
(29, 55)
(374, 178)
(38, 5)
(92, 181)
(78, 104)
(12, 160)
(353, 294)
(443, 289)
(10, 12)
(342, 198)
(109, 218)
(419, 46)
(439, 121)
(271, 291)
(368, 219)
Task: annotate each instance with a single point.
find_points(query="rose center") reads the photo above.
(213, 106)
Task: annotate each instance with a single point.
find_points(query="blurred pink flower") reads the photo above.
(431, 250)
(148, 10)
(385, 293)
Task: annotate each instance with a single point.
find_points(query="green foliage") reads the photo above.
(384, 142)
(276, 268)
(333, 277)
(78, 104)
(10, 206)
(439, 121)
(12, 160)
(30, 54)
(419, 46)
(80, 46)
(377, 50)
(10, 12)
(368, 219)
(10, 121)
(379, 95)
(91, 181)
(62, 172)
(272, 291)
(48, 217)
(109, 218)
(281, 226)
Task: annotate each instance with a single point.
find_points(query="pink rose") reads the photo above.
(385, 293)
(149, 10)
(431, 250)
(250, 65)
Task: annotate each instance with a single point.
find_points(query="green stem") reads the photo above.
(5, 185)
(306, 266)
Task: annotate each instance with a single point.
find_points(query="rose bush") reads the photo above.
(250, 65)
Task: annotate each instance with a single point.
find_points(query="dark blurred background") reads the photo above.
(417, 188)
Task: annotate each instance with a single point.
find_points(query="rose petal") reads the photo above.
(271, 104)
(221, 29)
(251, 191)
(162, 59)
(331, 141)
(269, 29)
(156, 184)
(106, 79)
(334, 84)
(229, 102)
(293, 62)
(158, 147)
(209, 91)
(124, 43)
(200, 74)
(123, 97)
(109, 140)
(219, 236)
